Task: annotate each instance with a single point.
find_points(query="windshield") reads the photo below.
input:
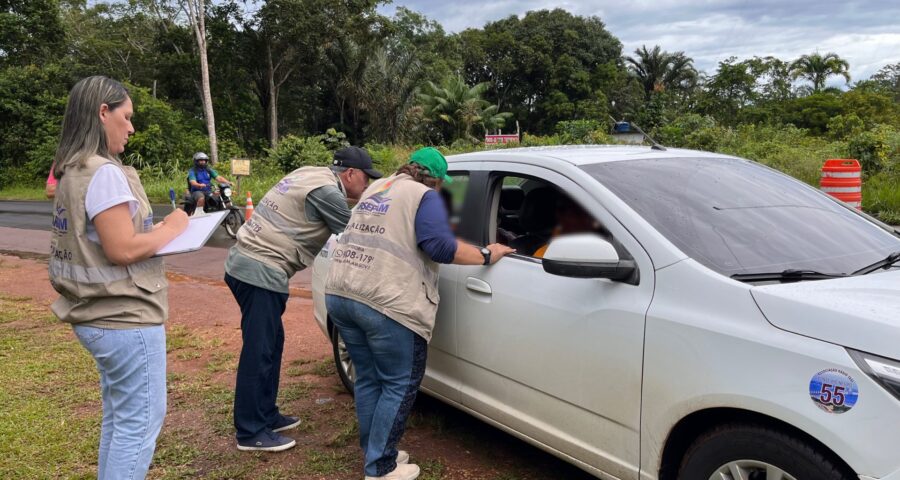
(736, 216)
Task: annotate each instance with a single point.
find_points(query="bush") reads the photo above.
(877, 149)
(388, 158)
(529, 140)
(582, 131)
(294, 152)
(32, 102)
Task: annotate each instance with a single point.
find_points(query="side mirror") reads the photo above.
(587, 255)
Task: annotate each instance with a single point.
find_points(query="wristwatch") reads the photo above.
(487, 255)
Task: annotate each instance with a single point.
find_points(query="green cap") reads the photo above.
(432, 160)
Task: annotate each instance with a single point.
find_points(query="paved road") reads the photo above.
(25, 227)
(36, 216)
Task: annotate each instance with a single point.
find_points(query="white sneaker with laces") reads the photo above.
(402, 457)
(404, 471)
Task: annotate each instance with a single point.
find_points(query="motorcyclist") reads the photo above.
(200, 178)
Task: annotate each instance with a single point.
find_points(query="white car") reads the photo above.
(718, 320)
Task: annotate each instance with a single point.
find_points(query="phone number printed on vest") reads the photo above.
(353, 256)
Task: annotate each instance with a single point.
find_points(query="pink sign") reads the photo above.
(499, 139)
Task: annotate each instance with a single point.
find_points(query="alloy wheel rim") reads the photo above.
(750, 470)
(346, 362)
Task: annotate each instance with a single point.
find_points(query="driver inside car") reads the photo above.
(570, 218)
(200, 178)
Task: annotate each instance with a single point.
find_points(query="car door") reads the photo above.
(442, 375)
(556, 359)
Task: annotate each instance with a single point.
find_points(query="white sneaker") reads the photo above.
(402, 457)
(404, 471)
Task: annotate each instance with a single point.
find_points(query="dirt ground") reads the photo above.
(205, 340)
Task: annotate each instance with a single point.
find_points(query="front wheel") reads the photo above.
(342, 362)
(232, 223)
(756, 452)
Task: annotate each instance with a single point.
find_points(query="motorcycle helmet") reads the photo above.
(200, 156)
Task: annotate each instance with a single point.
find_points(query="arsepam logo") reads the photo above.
(377, 203)
(60, 223)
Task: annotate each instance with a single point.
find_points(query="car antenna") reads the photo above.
(626, 127)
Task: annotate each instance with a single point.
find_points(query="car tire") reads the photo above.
(342, 362)
(758, 452)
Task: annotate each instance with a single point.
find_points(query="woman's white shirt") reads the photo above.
(108, 188)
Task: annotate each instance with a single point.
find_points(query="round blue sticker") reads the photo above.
(833, 390)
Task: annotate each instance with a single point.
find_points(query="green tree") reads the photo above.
(460, 107)
(391, 81)
(31, 31)
(658, 70)
(547, 66)
(817, 68)
(887, 80)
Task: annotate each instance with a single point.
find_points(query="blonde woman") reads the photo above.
(111, 290)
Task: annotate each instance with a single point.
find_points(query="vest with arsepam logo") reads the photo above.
(279, 233)
(94, 291)
(377, 260)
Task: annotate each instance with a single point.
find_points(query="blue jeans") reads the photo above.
(132, 366)
(390, 363)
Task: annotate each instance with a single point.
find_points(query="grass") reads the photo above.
(881, 197)
(325, 463)
(45, 431)
(22, 193)
(158, 188)
(432, 470)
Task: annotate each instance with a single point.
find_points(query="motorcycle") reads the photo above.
(218, 201)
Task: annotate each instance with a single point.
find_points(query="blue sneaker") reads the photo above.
(285, 422)
(266, 441)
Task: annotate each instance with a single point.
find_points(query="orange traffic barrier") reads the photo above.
(842, 179)
(248, 210)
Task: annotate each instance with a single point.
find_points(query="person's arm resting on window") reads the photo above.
(435, 238)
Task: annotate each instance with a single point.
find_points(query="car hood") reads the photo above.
(860, 312)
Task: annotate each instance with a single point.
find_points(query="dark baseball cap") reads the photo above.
(355, 157)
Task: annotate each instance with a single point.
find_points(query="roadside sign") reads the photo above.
(240, 167)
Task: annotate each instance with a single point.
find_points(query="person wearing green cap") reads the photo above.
(382, 295)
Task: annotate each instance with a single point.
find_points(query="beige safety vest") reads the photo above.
(377, 261)
(279, 234)
(94, 291)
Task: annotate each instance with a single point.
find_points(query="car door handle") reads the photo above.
(478, 285)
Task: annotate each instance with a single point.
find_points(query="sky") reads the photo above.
(866, 34)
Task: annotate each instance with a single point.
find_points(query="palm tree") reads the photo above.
(390, 83)
(461, 107)
(817, 68)
(659, 70)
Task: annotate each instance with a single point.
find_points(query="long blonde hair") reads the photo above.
(83, 134)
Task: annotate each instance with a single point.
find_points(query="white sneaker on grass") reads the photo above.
(404, 471)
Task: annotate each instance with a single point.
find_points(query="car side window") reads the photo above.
(529, 212)
(453, 194)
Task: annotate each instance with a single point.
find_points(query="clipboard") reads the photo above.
(197, 233)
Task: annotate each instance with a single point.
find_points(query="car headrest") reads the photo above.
(511, 197)
(539, 210)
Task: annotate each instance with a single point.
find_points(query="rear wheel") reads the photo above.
(342, 362)
(756, 452)
(232, 223)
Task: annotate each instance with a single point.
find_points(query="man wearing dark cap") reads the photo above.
(288, 228)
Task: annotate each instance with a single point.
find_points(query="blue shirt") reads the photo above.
(204, 176)
(433, 234)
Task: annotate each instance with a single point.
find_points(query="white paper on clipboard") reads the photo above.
(198, 231)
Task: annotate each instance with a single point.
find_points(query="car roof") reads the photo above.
(579, 154)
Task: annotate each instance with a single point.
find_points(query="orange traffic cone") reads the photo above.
(248, 210)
